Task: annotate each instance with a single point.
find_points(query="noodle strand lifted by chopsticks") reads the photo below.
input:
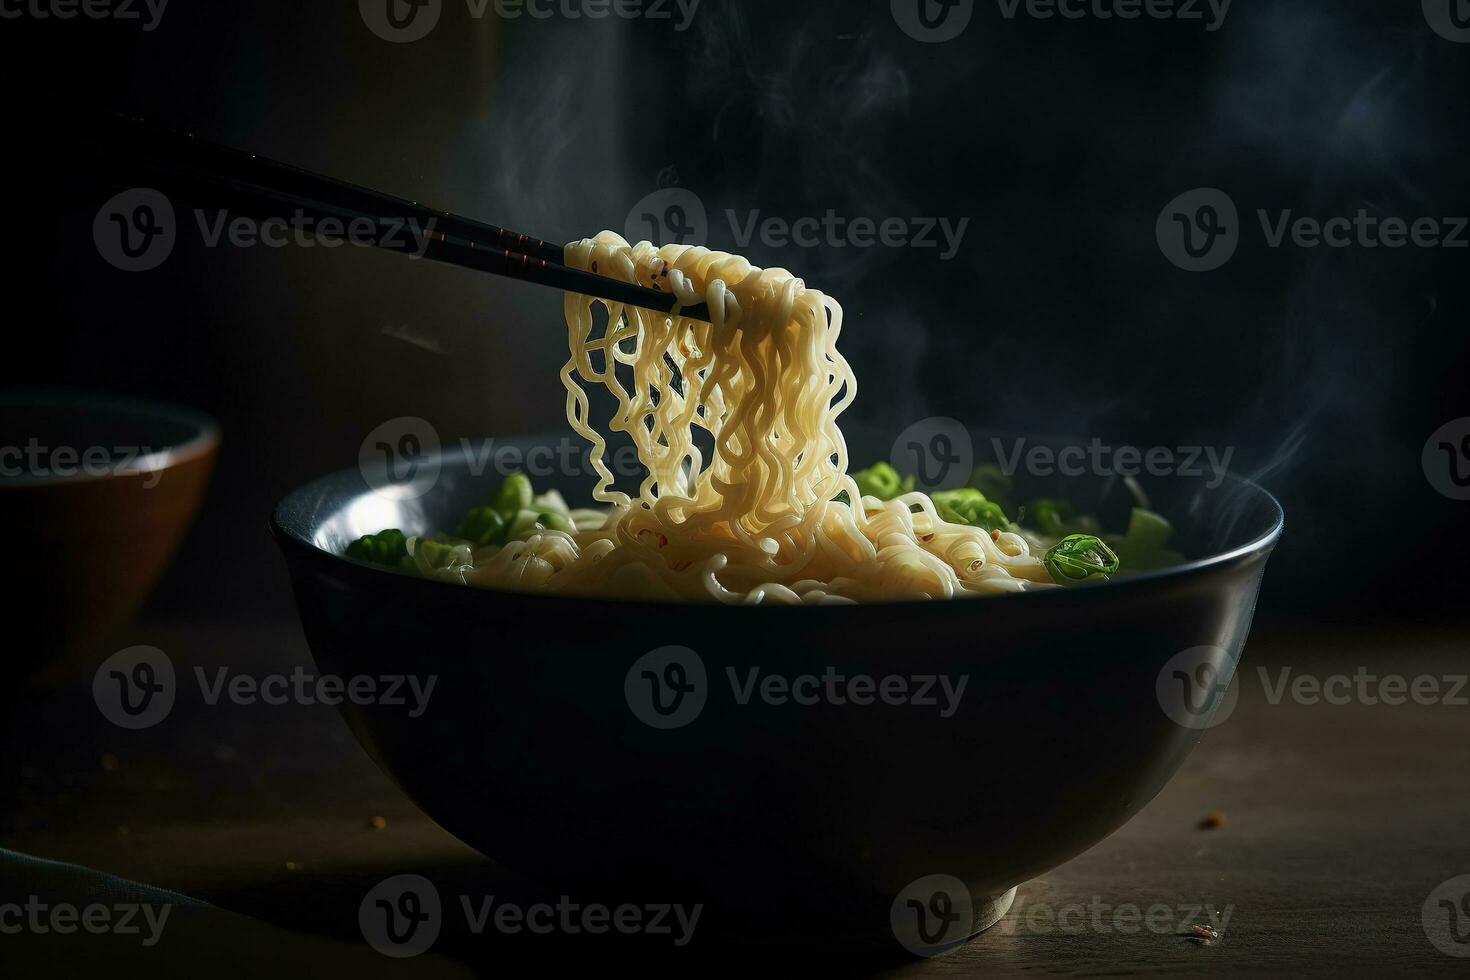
(766, 517)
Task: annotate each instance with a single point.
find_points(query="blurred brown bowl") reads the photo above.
(97, 493)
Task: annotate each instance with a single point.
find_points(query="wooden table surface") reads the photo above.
(1339, 821)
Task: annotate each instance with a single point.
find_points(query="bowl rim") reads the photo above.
(203, 440)
(289, 536)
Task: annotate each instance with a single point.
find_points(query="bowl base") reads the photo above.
(991, 909)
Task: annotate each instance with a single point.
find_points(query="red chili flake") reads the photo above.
(377, 823)
(995, 535)
(1212, 821)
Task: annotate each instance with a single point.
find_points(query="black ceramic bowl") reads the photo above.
(809, 823)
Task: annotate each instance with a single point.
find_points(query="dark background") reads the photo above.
(1060, 140)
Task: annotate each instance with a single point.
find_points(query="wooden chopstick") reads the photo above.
(131, 153)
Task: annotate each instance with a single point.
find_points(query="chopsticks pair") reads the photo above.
(130, 153)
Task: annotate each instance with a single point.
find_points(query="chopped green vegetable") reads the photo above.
(882, 481)
(515, 495)
(482, 526)
(1058, 518)
(1049, 517)
(968, 505)
(384, 548)
(529, 522)
(1145, 544)
(998, 488)
(1080, 558)
(441, 552)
